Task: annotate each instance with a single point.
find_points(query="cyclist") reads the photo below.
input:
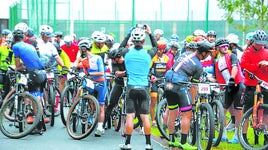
(233, 45)
(255, 60)
(58, 38)
(159, 35)
(93, 65)
(172, 53)
(138, 97)
(5, 32)
(70, 48)
(158, 69)
(178, 96)
(6, 58)
(228, 71)
(249, 40)
(211, 36)
(109, 41)
(27, 58)
(98, 46)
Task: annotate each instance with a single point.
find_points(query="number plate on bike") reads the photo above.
(216, 89)
(204, 88)
(70, 76)
(264, 85)
(90, 84)
(22, 79)
(50, 75)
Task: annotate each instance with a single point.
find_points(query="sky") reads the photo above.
(122, 9)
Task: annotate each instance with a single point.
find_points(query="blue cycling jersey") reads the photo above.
(27, 53)
(138, 66)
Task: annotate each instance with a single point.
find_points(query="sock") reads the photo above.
(148, 139)
(127, 139)
(224, 133)
(233, 119)
(183, 138)
(235, 133)
(171, 138)
(100, 125)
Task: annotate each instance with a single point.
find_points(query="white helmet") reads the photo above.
(46, 29)
(138, 35)
(158, 32)
(85, 43)
(98, 37)
(21, 26)
(9, 37)
(232, 38)
(68, 38)
(199, 32)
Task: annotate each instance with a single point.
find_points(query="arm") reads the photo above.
(246, 63)
(234, 62)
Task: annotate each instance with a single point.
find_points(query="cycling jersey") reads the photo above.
(99, 51)
(66, 61)
(4, 54)
(250, 61)
(159, 65)
(48, 52)
(27, 53)
(71, 51)
(95, 65)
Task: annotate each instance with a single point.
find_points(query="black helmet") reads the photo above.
(260, 37)
(211, 33)
(221, 41)
(18, 34)
(58, 34)
(204, 46)
(114, 53)
(192, 45)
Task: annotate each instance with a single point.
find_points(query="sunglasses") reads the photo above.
(224, 46)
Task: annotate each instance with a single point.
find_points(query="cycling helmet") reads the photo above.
(138, 35)
(17, 34)
(174, 44)
(249, 36)
(38, 76)
(161, 45)
(204, 46)
(98, 37)
(9, 38)
(192, 45)
(221, 41)
(67, 39)
(158, 32)
(85, 43)
(232, 38)
(21, 26)
(211, 33)
(46, 30)
(174, 37)
(30, 32)
(6, 32)
(109, 40)
(114, 51)
(58, 34)
(260, 37)
(199, 32)
(189, 38)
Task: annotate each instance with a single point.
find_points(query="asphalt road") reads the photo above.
(57, 138)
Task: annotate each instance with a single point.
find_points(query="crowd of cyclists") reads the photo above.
(168, 60)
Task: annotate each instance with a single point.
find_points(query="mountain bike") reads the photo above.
(17, 105)
(253, 120)
(83, 115)
(69, 92)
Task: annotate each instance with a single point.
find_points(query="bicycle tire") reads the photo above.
(160, 111)
(219, 120)
(66, 100)
(116, 118)
(51, 104)
(249, 143)
(17, 127)
(204, 127)
(79, 114)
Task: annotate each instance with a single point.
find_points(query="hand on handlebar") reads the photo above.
(153, 78)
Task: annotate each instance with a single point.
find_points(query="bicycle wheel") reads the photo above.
(205, 126)
(160, 115)
(248, 141)
(51, 104)
(219, 118)
(116, 118)
(83, 117)
(66, 100)
(15, 125)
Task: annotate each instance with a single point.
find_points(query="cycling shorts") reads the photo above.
(234, 96)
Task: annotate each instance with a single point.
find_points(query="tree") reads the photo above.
(254, 13)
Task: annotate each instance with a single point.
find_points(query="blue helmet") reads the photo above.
(6, 32)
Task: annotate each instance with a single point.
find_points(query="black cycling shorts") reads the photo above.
(138, 100)
(234, 96)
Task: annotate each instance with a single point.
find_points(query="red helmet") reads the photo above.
(161, 45)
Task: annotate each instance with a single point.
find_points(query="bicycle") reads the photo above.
(17, 105)
(83, 115)
(52, 93)
(253, 120)
(69, 93)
